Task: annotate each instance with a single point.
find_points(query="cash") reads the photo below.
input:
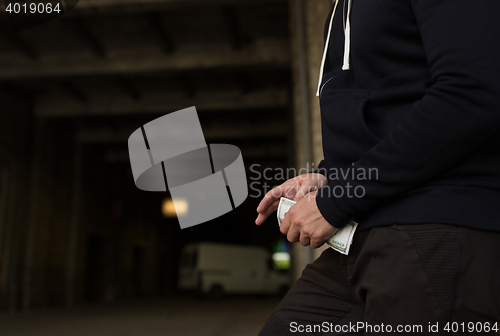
(283, 207)
(341, 241)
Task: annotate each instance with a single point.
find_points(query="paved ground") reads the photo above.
(239, 316)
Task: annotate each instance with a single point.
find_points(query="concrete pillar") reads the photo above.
(4, 181)
(307, 21)
(13, 223)
(72, 262)
(4, 210)
(7, 204)
(18, 220)
(37, 203)
(15, 125)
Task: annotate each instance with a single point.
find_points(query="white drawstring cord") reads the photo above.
(347, 44)
(326, 48)
(347, 33)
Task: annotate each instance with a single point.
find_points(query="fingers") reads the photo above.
(304, 223)
(261, 218)
(287, 189)
(304, 240)
(270, 202)
(291, 229)
(322, 236)
(293, 235)
(270, 198)
(303, 191)
(316, 243)
(312, 183)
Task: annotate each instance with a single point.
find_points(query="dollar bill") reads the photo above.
(283, 207)
(341, 241)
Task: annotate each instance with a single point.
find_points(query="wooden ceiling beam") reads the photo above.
(249, 153)
(129, 88)
(185, 85)
(247, 83)
(232, 27)
(73, 91)
(273, 53)
(48, 106)
(15, 39)
(84, 4)
(236, 131)
(156, 21)
(92, 40)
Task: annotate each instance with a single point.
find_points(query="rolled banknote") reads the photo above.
(341, 241)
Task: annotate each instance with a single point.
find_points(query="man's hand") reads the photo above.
(295, 189)
(304, 223)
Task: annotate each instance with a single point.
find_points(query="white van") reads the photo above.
(222, 268)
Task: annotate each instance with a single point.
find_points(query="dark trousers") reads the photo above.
(409, 278)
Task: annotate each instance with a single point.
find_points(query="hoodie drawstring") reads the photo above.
(347, 33)
(347, 43)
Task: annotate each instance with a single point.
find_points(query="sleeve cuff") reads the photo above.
(321, 170)
(336, 210)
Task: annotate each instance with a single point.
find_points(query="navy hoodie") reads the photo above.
(410, 103)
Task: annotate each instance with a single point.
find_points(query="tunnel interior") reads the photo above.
(73, 226)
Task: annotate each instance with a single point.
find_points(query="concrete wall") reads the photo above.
(62, 240)
(49, 209)
(15, 156)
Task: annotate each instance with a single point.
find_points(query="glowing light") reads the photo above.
(281, 261)
(175, 207)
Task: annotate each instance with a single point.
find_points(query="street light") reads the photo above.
(174, 207)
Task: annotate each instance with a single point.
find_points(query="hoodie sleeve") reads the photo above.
(321, 169)
(458, 113)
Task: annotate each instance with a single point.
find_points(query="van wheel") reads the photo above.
(282, 291)
(216, 292)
